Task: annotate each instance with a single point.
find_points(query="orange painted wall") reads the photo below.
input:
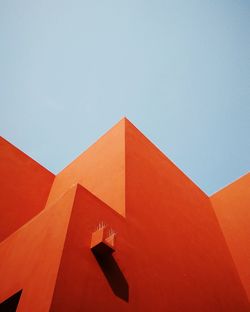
(30, 257)
(175, 225)
(24, 190)
(169, 246)
(80, 280)
(232, 207)
(99, 169)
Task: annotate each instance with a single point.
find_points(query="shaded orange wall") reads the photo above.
(177, 239)
(24, 190)
(80, 281)
(232, 207)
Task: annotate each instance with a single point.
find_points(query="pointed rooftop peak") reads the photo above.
(100, 169)
(107, 164)
(125, 121)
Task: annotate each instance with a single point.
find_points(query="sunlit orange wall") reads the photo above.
(232, 207)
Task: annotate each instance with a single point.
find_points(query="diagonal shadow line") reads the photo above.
(112, 272)
(11, 303)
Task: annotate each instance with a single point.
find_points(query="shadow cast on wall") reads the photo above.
(112, 272)
(10, 304)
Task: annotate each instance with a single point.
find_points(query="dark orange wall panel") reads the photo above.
(177, 239)
(24, 188)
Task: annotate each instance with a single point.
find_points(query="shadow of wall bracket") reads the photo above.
(102, 246)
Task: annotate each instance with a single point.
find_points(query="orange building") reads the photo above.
(121, 228)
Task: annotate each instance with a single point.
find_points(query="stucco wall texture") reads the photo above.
(173, 248)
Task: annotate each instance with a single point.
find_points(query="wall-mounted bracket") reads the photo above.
(103, 239)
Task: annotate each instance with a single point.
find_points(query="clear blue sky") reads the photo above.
(179, 70)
